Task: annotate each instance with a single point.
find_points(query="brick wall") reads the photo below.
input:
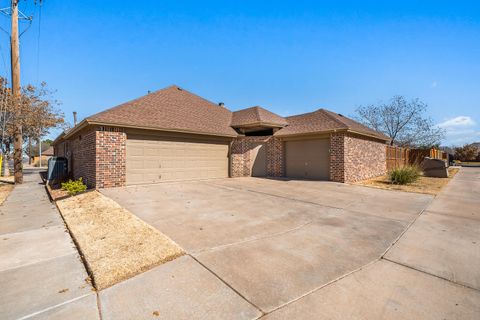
(364, 158)
(81, 156)
(337, 157)
(354, 157)
(240, 160)
(110, 158)
(97, 155)
(275, 157)
(59, 149)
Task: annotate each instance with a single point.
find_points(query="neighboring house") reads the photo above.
(172, 134)
(46, 154)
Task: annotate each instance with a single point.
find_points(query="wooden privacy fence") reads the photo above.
(397, 157)
(417, 155)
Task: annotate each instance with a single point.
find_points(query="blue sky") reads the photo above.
(288, 56)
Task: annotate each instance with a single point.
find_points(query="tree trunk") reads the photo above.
(29, 150)
(17, 155)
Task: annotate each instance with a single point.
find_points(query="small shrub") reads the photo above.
(74, 186)
(405, 175)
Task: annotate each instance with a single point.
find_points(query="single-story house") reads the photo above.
(46, 154)
(172, 134)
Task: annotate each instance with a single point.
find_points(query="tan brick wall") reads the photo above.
(111, 158)
(337, 157)
(355, 157)
(240, 161)
(364, 158)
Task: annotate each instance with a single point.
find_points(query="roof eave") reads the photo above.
(331, 131)
(309, 133)
(58, 139)
(259, 124)
(87, 122)
(369, 135)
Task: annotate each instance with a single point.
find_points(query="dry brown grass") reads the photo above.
(425, 185)
(5, 190)
(115, 244)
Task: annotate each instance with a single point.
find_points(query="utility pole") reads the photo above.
(15, 63)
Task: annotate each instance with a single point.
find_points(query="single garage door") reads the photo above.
(151, 160)
(308, 159)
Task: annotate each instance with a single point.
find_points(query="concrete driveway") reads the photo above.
(272, 241)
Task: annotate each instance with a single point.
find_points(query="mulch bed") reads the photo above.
(56, 193)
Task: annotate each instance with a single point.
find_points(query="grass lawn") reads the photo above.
(423, 185)
(115, 244)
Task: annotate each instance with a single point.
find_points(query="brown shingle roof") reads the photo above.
(324, 121)
(175, 109)
(171, 108)
(256, 115)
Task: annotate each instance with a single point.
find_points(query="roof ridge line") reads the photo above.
(327, 112)
(131, 101)
(196, 95)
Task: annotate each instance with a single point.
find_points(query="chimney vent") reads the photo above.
(221, 104)
(74, 118)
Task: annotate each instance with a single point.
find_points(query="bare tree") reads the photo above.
(40, 112)
(36, 111)
(403, 121)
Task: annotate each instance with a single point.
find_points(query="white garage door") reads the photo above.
(151, 161)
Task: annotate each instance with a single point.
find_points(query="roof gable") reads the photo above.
(324, 121)
(171, 108)
(256, 116)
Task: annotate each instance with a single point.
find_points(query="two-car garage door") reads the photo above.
(151, 160)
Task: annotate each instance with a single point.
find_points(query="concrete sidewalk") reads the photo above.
(432, 272)
(41, 274)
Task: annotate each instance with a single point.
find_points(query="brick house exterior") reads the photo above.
(355, 157)
(240, 159)
(352, 157)
(96, 148)
(97, 155)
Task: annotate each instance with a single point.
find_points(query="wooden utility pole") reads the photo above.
(15, 62)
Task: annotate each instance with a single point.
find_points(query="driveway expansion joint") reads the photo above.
(268, 236)
(401, 234)
(346, 208)
(227, 284)
(431, 274)
(36, 313)
(325, 285)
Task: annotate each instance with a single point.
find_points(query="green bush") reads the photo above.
(74, 186)
(405, 175)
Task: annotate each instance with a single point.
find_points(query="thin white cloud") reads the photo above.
(460, 121)
(460, 130)
(434, 84)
